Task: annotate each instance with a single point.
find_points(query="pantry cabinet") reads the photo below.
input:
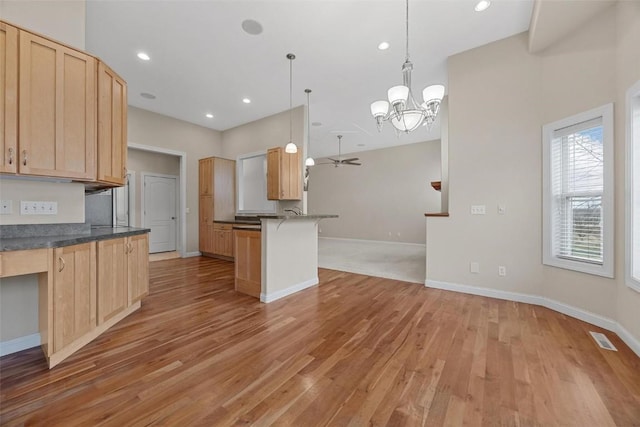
(284, 175)
(57, 110)
(8, 98)
(217, 188)
(112, 126)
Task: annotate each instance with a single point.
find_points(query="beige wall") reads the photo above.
(148, 162)
(628, 72)
(384, 199)
(160, 131)
(61, 20)
(499, 97)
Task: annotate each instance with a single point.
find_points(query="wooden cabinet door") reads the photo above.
(74, 293)
(274, 186)
(205, 177)
(284, 175)
(138, 267)
(8, 98)
(205, 224)
(112, 126)
(227, 243)
(112, 278)
(57, 111)
(248, 262)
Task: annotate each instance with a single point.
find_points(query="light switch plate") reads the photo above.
(474, 267)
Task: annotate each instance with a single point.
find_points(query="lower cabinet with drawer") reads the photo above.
(223, 240)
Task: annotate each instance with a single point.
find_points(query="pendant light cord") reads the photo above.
(407, 30)
(308, 91)
(291, 99)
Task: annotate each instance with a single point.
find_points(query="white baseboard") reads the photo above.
(288, 291)
(19, 344)
(578, 313)
(384, 242)
(191, 254)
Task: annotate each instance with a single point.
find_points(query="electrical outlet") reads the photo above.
(6, 207)
(478, 209)
(474, 267)
(502, 270)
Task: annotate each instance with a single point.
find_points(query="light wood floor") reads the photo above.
(355, 350)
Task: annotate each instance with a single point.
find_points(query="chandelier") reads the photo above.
(405, 114)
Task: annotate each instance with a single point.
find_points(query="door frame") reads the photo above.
(143, 176)
(182, 191)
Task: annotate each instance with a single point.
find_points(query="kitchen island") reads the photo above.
(289, 254)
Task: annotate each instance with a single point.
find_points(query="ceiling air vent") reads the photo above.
(603, 341)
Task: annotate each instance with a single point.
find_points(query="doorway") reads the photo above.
(159, 211)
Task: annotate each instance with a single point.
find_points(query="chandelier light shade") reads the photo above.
(309, 160)
(291, 148)
(401, 109)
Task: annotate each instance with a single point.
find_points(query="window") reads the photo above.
(578, 192)
(632, 199)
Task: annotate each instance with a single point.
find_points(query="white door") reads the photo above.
(159, 213)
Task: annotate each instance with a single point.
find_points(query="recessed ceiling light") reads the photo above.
(148, 95)
(383, 46)
(482, 5)
(316, 124)
(252, 27)
(143, 56)
(209, 116)
(246, 100)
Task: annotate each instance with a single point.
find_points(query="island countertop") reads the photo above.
(294, 216)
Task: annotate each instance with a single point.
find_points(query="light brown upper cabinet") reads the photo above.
(112, 126)
(284, 175)
(8, 98)
(57, 110)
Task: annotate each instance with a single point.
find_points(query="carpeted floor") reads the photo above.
(400, 261)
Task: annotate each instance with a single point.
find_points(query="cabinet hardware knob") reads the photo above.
(24, 156)
(10, 155)
(62, 264)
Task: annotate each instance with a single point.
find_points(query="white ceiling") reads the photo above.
(202, 61)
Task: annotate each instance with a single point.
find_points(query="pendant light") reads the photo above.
(309, 161)
(291, 148)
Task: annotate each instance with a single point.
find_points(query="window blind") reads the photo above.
(577, 186)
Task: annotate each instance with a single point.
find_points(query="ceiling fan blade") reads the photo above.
(333, 160)
(352, 164)
(350, 160)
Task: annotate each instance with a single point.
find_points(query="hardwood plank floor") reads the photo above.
(356, 350)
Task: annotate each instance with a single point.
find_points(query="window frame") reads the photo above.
(632, 144)
(606, 269)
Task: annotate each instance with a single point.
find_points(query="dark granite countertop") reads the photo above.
(56, 241)
(251, 226)
(294, 216)
(237, 221)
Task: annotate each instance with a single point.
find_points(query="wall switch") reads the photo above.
(6, 207)
(474, 267)
(187, 210)
(502, 209)
(478, 209)
(38, 208)
(502, 270)
(50, 208)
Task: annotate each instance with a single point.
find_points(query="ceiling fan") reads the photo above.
(340, 161)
